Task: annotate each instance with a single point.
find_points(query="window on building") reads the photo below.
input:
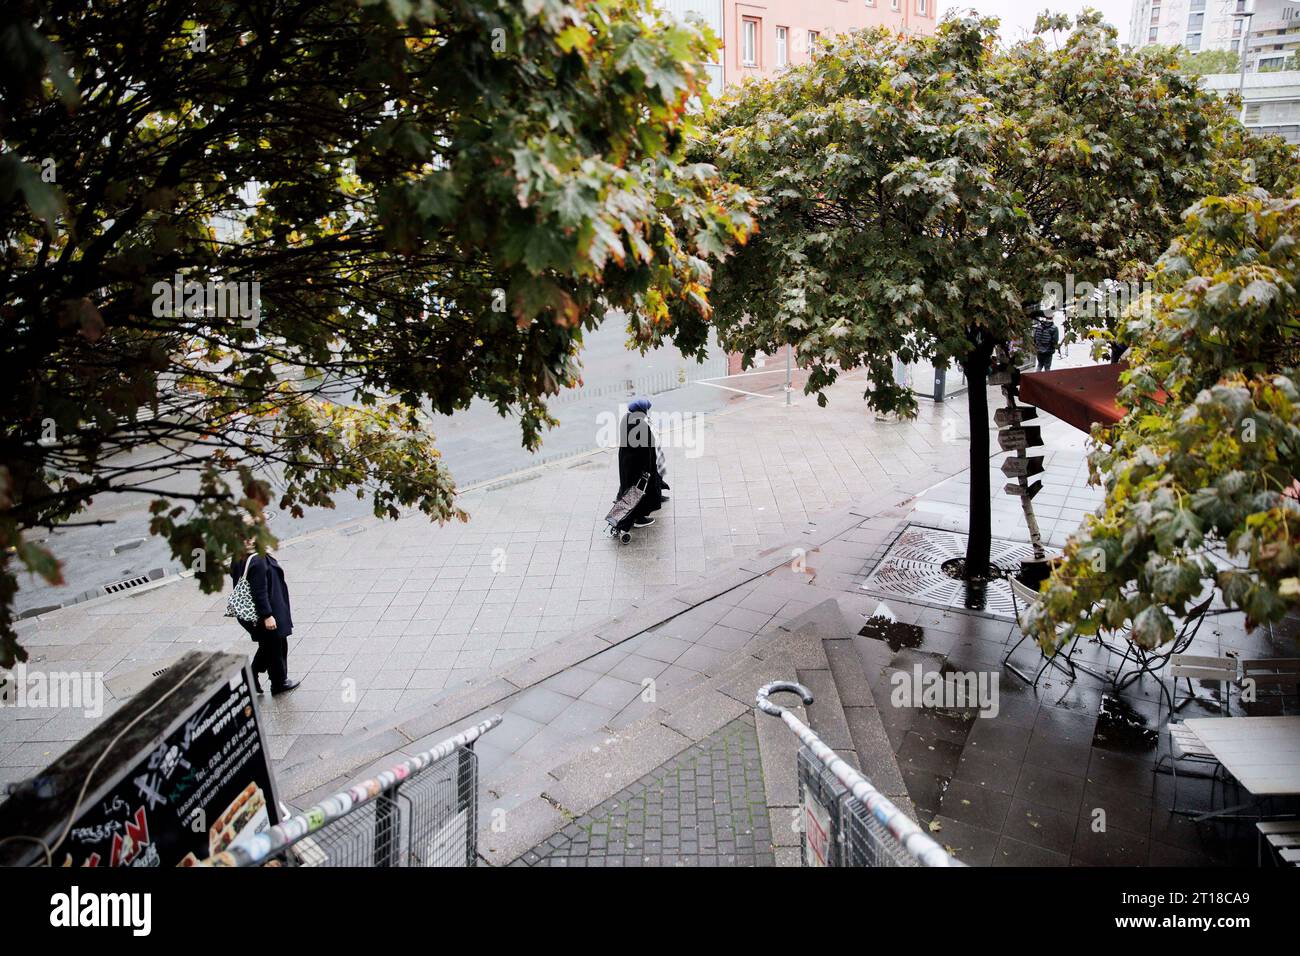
(1196, 23)
(921, 7)
(782, 46)
(813, 37)
(1193, 42)
(893, 4)
(749, 42)
(1153, 34)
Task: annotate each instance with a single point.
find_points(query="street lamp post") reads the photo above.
(789, 385)
(1248, 16)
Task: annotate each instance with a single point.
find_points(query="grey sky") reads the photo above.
(1018, 16)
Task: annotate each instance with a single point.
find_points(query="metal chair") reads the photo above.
(1183, 742)
(1190, 667)
(1023, 594)
(1151, 661)
(1185, 745)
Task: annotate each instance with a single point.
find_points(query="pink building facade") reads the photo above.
(761, 36)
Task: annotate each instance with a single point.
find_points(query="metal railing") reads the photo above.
(422, 812)
(847, 821)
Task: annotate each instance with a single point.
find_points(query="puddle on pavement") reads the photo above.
(894, 633)
(1121, 728)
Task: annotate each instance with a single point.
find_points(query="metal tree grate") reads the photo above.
(912, 569)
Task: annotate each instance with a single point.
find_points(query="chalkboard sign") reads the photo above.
(189, 777)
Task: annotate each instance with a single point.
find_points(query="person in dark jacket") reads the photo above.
(274, 620)
(637, 458)
(1047, 337)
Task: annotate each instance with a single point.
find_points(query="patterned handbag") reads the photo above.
(241, 606)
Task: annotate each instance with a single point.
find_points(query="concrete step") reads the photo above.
(844, 712)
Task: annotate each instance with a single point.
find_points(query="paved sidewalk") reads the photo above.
(389, 615)
(1062, 773)
(705, 807)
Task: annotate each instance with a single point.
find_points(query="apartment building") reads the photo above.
(760, 37)
(1220, 25)
(1271, 90)
(1272, 100)
(1274, 35)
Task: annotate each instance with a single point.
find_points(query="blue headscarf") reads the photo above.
(639, 405)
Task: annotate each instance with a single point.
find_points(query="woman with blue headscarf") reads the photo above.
(637, 460)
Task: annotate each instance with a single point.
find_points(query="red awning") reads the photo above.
(1079, 396)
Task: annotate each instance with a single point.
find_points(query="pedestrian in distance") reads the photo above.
(637, 461)
(274, 623)
(1047, 338)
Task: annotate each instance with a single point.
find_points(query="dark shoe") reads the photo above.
(284, 688)
(643, 523)
(257, 684)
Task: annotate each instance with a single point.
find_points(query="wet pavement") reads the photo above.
(392, 614)
(1064, 773)
(703, 808)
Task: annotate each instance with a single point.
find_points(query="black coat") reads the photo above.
(636, 457)
(270, 595)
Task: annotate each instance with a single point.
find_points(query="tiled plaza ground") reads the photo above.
(400, 614)
(390, 614)
(1035, 784)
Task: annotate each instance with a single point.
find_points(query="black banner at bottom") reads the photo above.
(336, 908)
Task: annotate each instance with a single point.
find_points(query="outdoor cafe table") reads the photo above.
(1263, 753)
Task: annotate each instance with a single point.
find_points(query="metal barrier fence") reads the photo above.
(847, 821)
(423, 812)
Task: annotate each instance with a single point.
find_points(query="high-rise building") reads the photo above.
(1274, 35)
(760, 37)
(1220, 25)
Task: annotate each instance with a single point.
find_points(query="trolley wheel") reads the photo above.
(625, 537)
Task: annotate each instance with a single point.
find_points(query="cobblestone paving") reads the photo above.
(705, 807)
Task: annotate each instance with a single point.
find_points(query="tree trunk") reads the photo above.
(980, 541)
